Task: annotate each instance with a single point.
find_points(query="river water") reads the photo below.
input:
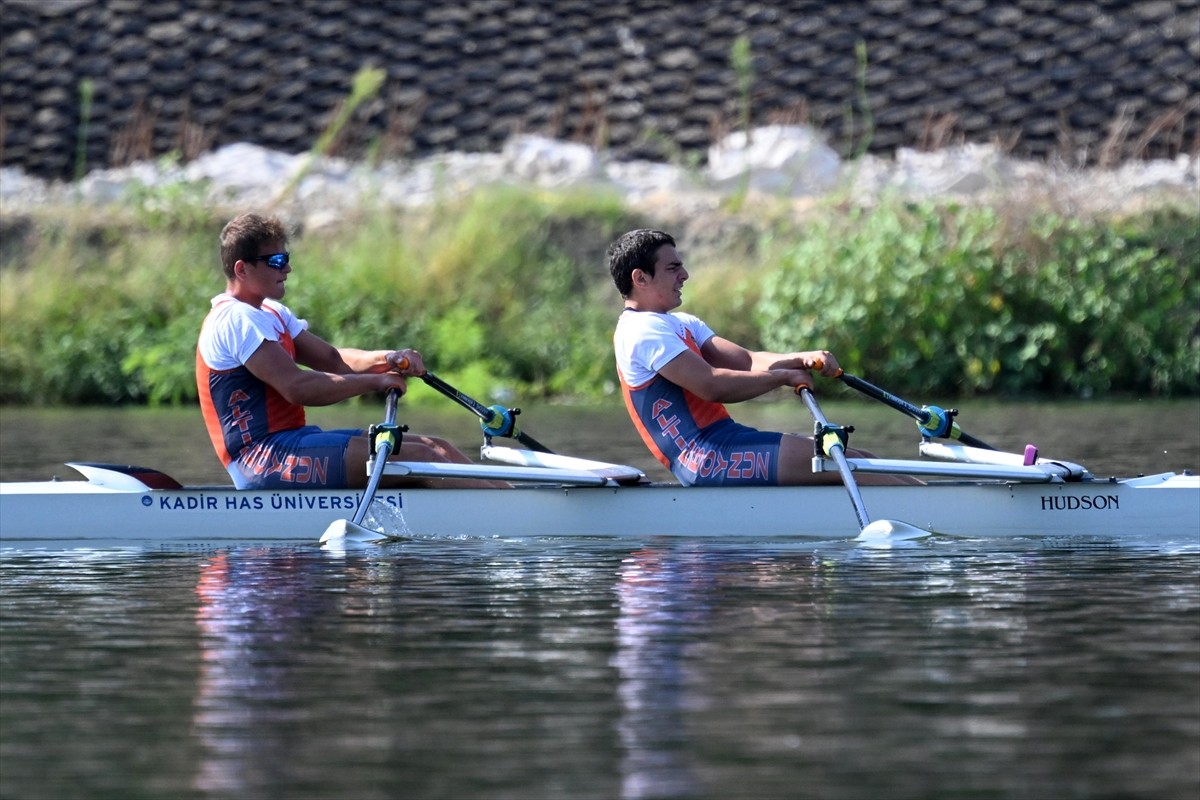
(532, 669)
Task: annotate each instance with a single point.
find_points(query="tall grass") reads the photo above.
(366, 84)
(87, 94)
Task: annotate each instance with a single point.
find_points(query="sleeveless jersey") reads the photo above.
(238, 408)
(668, 417)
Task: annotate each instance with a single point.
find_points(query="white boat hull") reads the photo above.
(1156, 508)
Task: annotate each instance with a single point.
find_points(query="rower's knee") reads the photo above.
(419, 449)
(795, 463)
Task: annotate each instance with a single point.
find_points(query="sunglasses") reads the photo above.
(274, 260)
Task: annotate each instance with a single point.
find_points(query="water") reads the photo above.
(476, 669)
(602, 669)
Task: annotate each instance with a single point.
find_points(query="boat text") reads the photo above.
(279, 501)
(1096, 502)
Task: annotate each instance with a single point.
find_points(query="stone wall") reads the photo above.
(1085, 82)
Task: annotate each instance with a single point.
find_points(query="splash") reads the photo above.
(387, 518)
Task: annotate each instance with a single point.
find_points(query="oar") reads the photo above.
(934, 422)
(830, 441)
(385, 442)
(495, 420)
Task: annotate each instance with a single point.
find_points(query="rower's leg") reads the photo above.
(795, 466)
(413, 447)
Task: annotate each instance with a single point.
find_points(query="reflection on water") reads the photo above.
(253, 609)
(597, 669)
(657, 605)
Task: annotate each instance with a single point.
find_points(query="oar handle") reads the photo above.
(816, 364)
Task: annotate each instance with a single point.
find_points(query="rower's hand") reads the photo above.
(392, 380)
(799, 379)
(406, 362)
(823, 362)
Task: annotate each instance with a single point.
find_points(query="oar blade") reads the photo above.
(342, 531)
(886, 531)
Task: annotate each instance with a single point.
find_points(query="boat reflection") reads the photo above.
(671, 601)
(258, 623)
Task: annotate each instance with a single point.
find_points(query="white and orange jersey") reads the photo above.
(668, 417)
(239, 409)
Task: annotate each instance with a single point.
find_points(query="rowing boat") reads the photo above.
(967, 492)
(970, 489)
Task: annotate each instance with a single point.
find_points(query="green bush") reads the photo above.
(98, 312)
(960, 301)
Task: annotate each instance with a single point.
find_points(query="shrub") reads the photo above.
(958, 301)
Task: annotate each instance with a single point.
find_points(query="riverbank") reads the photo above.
(966, 273)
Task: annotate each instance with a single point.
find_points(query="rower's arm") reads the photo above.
(313, 351)
(723, 353)
(724, 385)
(312, 387)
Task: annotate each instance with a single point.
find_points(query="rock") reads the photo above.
(780, 160)
(788, 162)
